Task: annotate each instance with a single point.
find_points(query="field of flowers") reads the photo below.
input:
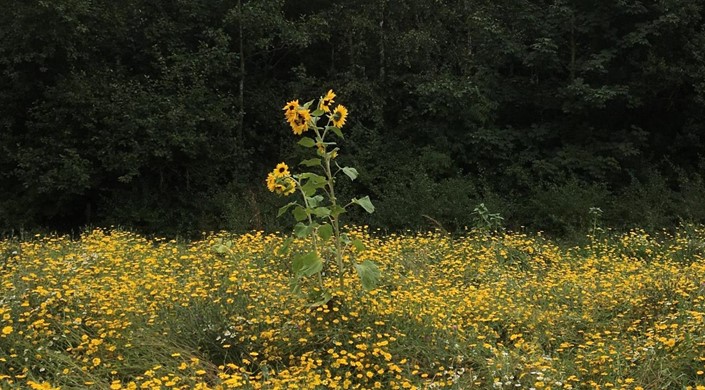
(115, 310)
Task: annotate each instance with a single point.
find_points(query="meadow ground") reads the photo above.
(115, 310)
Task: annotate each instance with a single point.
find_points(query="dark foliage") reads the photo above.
(165, 115)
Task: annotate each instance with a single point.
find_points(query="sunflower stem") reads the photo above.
(315, 238)
(336, 223)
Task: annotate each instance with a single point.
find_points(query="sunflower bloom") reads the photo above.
(271, 182)
(299, 122)
(290, 109)
(286, 186)
(326, 101)
(282, 170)
(280, 181)
(339, 116)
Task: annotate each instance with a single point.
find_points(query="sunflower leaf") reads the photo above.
(300, 213)
(285, 246)
(359, 246)
(365, 203)
(350, 172)
(337, 210)
(307, 264)
(369, 274)
(321, 212)
(283, 209)
(309, 189)
(311, 162)
(307, 142)
(302, 230)
(318, 112)
(325, 232)
(335, 130)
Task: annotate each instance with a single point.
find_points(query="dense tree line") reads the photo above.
(165, 115)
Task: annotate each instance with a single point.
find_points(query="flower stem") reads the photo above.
(314, 237)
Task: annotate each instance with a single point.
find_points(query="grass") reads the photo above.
(115, 310)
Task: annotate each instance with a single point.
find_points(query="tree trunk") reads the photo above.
(241, 126)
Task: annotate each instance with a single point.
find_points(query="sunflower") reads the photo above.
(289, 186)
(290, 109)
(299, 122)
(282, 170)
(339, 116)
(285, 186)
(326, 101)
(282, 185)
(271, 182)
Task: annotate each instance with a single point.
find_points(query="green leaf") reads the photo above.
(307, 142)
(325, 232)
(308, 103)
(318, 179)
(336, 211)
(300, 213)
(285, 246)
(307, 264)
(221, 249)
(282, 210)
(321, 212)
(369, 274)
(302, 230)
(295, 285)
(322, 300)
(365, 203)
(311, 162)
(318, 112)
(313, 183)
(335, 130)
(351, 172)
(309, 189)
(359, 246)
(314, 201)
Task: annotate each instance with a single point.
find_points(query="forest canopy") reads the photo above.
(165, 116)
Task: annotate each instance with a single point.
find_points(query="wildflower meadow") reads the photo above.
(114, 310)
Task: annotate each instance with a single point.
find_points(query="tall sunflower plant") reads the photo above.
(318, 210)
